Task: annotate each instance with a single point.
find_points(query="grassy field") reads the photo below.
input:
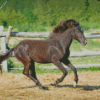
(93, 44)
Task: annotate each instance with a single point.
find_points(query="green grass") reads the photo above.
(85, 60)
(44, 71)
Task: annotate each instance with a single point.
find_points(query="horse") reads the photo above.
(46, 51)
(60, 29)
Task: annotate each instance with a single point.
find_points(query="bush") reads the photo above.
(34, 15)
(29, 27)
(10, 64)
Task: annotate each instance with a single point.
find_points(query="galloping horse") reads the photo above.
(52, 50)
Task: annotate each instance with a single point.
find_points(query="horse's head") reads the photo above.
(64, 25)
(79, 35)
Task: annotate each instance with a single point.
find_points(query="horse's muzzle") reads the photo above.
(85, 42)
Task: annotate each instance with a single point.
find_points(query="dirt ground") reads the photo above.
(19, 87)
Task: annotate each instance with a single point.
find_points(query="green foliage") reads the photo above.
(93, 69)
(29, 14)
(35, 15)
(26, 27)
(10, 64)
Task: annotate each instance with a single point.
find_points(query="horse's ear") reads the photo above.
(76, 24)
(71, 24)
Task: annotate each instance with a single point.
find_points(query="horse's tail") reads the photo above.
(5, 56)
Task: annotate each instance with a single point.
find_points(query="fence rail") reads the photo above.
(44, 34)
(85, 53)
(5, 40)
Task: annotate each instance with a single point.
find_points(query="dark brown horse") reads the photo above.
(52, 50)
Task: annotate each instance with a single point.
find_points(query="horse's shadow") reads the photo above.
(85, 87)
(46, 88)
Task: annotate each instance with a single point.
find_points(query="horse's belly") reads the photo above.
(40, 60)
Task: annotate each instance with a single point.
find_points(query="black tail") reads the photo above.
(5, 56)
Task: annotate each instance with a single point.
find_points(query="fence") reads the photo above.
(5, 40)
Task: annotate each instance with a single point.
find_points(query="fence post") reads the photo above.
(8, 34)
(3, 48)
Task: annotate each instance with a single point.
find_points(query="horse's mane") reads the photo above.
(63, 25)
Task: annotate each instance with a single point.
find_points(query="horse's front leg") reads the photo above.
(67, 62)
(75, 73)
(60, 66)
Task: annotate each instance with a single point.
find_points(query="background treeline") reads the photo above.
(43, 15)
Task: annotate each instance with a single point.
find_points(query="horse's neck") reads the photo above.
(60, 31)
(53, 34)
(66, 39)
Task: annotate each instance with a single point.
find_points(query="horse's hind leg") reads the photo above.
(32, 69)
(33, 75)
(27, 63)
(26, 72)
(60, 66)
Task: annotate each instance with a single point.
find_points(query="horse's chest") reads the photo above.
(67, 53)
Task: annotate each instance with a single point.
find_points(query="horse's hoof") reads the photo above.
(54, 84)
(75, 84)
(44, 88)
